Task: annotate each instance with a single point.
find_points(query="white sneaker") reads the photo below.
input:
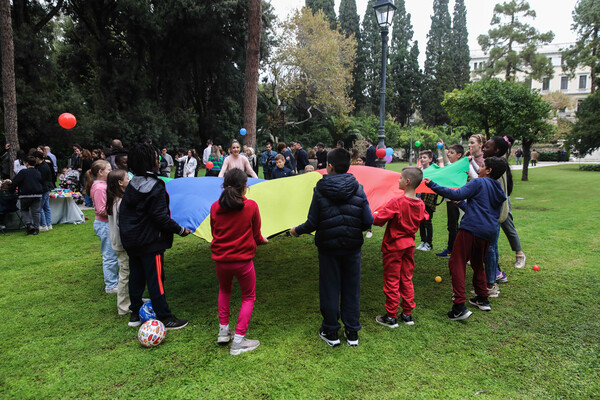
(427, 247)
(420, 246)
(224, 336)
(43, 228)
(49, 227)
(492, 292)
(244, 346)
(520, 260)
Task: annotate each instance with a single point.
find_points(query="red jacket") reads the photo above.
(236, 233)
(404, 215)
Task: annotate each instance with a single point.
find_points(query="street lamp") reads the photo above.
(411, 121)
(283, 107)
(384, 11)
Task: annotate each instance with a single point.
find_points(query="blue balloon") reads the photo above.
(147, 312)
(440, 145)
(242, 131)
(389, 151)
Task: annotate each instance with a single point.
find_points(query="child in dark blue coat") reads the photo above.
(483, 198)
(339, 213)
(280, 171)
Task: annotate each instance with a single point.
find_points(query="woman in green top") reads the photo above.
(217, 159)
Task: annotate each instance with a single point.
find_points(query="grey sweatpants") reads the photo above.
(30, 211)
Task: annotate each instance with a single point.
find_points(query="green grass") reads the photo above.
(62, 337)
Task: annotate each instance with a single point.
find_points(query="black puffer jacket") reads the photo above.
(339, 212)
(145, 221)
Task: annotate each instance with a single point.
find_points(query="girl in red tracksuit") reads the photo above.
(235, 226)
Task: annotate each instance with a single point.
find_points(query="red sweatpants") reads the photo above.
(468, 247)
(398, 270)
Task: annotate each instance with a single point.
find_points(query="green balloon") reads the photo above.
(417, 144)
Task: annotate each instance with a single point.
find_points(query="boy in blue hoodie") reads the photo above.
(339, 213)
(483, 198)
(146, 230)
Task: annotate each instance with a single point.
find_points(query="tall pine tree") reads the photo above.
(328, 7)
(404, 74)
(439, 74)
(371, 59)
(349, 23)
(460, 43)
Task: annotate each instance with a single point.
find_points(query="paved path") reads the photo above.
(548, 164)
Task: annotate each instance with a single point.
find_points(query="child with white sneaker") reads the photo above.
(483, 203)
(430, 200)
(235, 227)
(403, 215)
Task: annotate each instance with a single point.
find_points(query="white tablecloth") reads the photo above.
(63, 209)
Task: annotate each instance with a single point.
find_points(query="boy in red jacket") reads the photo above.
(404, 215)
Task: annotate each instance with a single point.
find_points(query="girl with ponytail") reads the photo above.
(235, 226)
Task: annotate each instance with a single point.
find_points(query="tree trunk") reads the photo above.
(251, 82)
(526, 158)
(8, 80)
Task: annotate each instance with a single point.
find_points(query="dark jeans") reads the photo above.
(30, 211)
(453, 216)
(340, 275)
(147, 269)
(426, 228)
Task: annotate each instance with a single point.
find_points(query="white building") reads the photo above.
(578, 87)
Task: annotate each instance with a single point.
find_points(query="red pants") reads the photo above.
(398, 270)
(468, 247)
(244, 272)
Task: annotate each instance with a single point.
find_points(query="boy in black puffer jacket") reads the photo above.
(339, 213)
(146, 230)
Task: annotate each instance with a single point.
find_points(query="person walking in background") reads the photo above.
(267, 160)
(519, 156)
(534, 157)
(166, 170)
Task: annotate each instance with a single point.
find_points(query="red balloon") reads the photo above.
(209, 165)
(67, 120)
(380, 153)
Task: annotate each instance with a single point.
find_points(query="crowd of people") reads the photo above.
(133, 223)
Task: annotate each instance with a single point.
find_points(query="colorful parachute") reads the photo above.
(284, 203)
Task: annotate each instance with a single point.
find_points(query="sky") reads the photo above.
(554, 15)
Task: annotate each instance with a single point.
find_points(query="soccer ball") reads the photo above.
(152, 333)
(147, 312)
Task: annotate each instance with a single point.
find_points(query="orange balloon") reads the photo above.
(67, 120)
(209, 165)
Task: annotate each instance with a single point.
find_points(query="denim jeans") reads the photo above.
(110, 264)
(88, 200)
(491, 259)
(45, 214)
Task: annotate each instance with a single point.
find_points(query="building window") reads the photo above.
(546, 84)
(564, 83)
(582, 81)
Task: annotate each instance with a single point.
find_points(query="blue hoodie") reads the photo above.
(484, 198)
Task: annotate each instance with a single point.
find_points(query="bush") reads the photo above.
(551, 156)
(589, 167)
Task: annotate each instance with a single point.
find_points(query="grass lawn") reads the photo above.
(63, 338)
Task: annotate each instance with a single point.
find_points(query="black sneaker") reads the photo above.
(386, 320)
(330, 337)
(351, 337)
(459, 312)
(407, 319)
(481, 302)
(173, 323)
(134, 319)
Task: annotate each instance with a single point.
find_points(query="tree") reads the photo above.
(512, 45)
(370, 54)
(404, 75)
(313, 64)
(439, 74)
(584, 138)
(327, 6)
(460, 45)
(251, 80)
(558, 101)
(586, 50)
(8, 79)
(499, 108)
(349, 24)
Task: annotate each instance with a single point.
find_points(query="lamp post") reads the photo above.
(411, 121)
(283, 107)
(384, 11)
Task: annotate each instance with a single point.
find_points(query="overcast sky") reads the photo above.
(554, 15)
